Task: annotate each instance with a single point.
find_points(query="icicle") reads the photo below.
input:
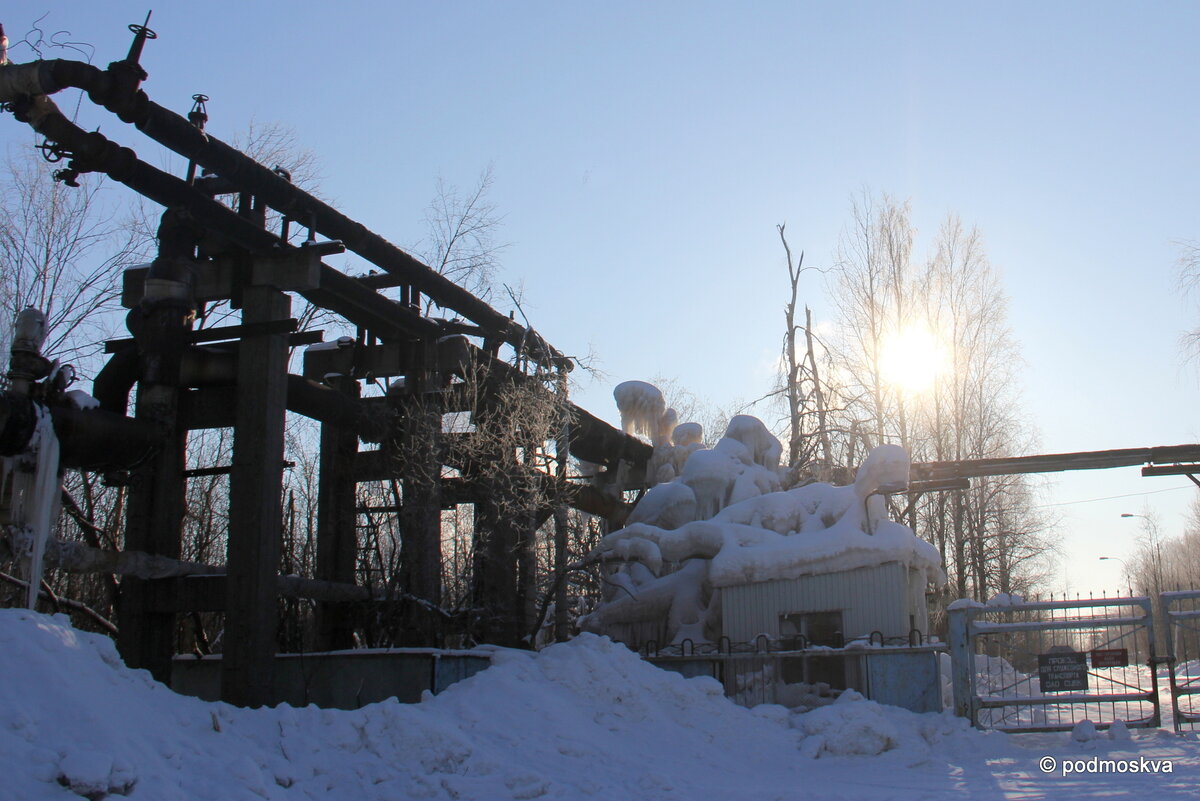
(35, 498)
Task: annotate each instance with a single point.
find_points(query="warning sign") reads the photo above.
(1110, 657)
(1060, 671)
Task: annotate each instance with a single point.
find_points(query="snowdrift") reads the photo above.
(585, 718)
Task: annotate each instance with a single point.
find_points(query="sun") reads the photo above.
(911, 359)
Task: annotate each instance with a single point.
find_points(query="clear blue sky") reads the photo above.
(644, 152)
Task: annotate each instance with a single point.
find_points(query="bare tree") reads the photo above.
(62, 250)
(461, 235)
(992, 537)
(1189, 282)
(803, 387)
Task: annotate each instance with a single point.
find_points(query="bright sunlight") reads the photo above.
(911, 359)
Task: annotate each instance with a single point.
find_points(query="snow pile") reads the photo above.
(724, 521)
(578, 719)
(853, 726)
(575, 720)
(996, 679)
(585, 719)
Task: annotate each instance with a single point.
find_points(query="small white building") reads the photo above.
(720, 554)
(830, 609)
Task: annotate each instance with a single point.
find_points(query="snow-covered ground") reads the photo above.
(586, 719)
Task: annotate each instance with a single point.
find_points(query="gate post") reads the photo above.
(962, 663)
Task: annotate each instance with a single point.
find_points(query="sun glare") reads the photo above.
(911, 359)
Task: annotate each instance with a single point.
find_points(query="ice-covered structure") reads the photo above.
(719, 549)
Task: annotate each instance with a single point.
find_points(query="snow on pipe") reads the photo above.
(114, 92)
(725, 520)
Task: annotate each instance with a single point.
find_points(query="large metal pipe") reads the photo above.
(97, 440)
(115, 381)
(111, 90)
(89, 439)
(338, 292)
(389, 320)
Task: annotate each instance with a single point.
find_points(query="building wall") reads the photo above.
(880, 598)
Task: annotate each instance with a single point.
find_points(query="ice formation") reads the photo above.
(33, 476)
(722, 519)
(644, 411)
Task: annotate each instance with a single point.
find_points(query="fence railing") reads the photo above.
(797, 673)
(1046, 666)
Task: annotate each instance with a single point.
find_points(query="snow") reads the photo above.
(82, 400)
(687, 434)
(1004, 599)
(1085, 731)
(727, 522)
(585, 719)
(340, 342)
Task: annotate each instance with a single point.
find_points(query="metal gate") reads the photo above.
(1181, 610)
(1046, 666)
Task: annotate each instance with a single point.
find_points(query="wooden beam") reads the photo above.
(155, 511)
(255, 513)
(296, 270)
(207, 407)
(337, 540)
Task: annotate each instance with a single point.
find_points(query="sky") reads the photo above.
(644, 153)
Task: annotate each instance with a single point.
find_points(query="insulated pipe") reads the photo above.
(207, 367)
(115, 381)
(327, 405)
(90, 439)
(178, 134)
(339, 293)
(94, 439)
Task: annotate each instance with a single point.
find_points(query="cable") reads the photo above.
(1111, 497)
